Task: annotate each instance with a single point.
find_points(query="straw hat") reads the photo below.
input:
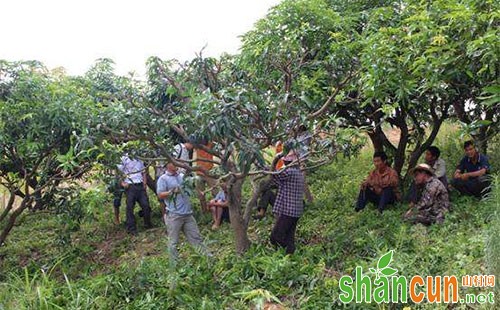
(423, 167)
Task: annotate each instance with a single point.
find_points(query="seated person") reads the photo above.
(471, 177)
(439, 167)
(437, 164)
(267, 198)
(381, 186)
(433, 203)
(219, 208)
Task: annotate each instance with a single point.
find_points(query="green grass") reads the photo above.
(100, 267)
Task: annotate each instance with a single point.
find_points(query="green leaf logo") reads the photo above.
(383, 268)
(385, 260)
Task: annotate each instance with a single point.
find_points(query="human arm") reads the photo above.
(468, 175)
(460, 169)
(440, 170)
(162, 190)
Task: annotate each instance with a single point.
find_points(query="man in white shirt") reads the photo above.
(181, 152)
(134, 183)
(438, 164)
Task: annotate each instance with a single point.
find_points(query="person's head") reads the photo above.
(189, 145)
(290, 158)
(422, 173)
(171, 168)
(470, 149)
(432, 153)
(380, 160)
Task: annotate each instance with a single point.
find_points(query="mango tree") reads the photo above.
(46, 137)
(219, 101)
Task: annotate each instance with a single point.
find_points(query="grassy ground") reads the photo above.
(99, 266)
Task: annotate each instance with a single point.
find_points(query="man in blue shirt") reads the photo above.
(179, 211)
(471, 177)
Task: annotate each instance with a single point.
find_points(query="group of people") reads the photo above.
(428, 194)
(286, 191)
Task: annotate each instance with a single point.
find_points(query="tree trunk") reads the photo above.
(12, 219)
(415, 155)
(377, 142)
(400, 154)
(237, 222)
(380, 141)
(151, 183)
(9, 206)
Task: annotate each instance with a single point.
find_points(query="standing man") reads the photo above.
(289, 204)
(381, 187)
(134, 183)
(181, 152)
(434, 202)
(179, 211)
(471, 177)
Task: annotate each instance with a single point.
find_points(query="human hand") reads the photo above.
(364, 185)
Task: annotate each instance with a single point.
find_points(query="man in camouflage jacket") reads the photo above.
(434, 202)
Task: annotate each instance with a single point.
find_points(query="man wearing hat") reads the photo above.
(433, 203)
(289, 205)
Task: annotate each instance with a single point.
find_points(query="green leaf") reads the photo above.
(385, 260)
(388, 271)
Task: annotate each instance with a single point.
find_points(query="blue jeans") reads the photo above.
(367, 195)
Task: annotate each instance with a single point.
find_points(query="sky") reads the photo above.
(74, 33)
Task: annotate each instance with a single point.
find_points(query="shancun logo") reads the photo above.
(389, 287)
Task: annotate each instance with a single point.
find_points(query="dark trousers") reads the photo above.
(367, 195)
(473, 187)
(267, 199)
(137, 193)
(283, 233)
